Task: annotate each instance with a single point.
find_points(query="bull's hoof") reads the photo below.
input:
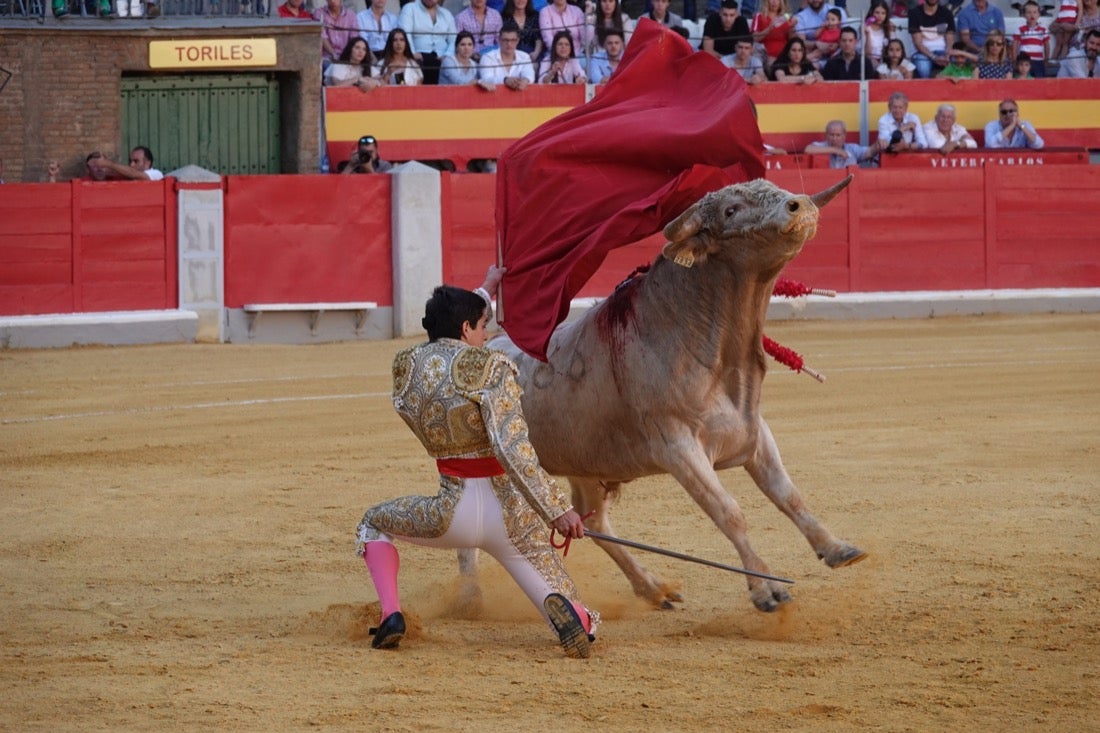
(770, 596)
(844, 555)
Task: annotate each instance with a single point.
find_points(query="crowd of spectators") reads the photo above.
(521, 42)
(819, 42)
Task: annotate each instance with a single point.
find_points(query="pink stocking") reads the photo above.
(382, 562)
(586, 621)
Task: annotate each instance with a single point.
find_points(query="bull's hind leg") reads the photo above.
(694, 471)
(596, 497)
(469, 601)
(766, 469)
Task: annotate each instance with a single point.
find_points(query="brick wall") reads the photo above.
(63, 99)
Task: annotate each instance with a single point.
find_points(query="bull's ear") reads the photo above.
(686, 238)
(685, 225)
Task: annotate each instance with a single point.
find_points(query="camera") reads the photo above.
(896, 137)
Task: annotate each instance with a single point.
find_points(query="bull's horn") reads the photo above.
(824, 197)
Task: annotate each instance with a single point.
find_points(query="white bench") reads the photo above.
(255, 310)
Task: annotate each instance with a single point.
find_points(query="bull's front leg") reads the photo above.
(594, 496)
(694, 471)
(766, 469)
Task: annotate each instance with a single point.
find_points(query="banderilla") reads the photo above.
(682, 556)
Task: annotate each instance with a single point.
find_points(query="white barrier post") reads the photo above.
(417, 244)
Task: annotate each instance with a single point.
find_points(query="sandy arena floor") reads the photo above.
(176, 550)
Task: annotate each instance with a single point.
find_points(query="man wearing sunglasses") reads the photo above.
(1009, 131)
(365, 158)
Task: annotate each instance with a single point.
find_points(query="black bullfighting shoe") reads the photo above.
(571, 633)
(390, 632)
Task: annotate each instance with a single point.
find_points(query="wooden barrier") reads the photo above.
(461, 123)
(965, 158)
(83, 246)
(309, 240)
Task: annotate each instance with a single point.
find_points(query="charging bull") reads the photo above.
(665, 375)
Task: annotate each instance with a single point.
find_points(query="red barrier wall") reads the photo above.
(112, 246)
(86, 246)
(302, 239)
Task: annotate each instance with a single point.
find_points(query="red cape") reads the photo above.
(671, 125)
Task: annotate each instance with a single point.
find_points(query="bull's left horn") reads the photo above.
(824, 197)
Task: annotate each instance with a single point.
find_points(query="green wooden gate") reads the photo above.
(227, 123)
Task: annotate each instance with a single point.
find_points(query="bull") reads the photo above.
(665, 375)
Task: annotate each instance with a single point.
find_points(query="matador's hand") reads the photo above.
(569, 525)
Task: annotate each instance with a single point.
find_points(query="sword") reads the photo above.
(682, 556)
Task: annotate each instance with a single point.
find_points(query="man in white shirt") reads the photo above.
(1081, 63)
(507, 65)
(431, 30)
(140, 168)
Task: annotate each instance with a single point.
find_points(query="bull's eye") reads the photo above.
(792, 206)
(732, 209)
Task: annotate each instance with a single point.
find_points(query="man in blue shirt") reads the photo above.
(1009, 131)
(811, 18)
(841, 153)
(604, 62)
(976, 20)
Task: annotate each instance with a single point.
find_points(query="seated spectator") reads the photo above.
(811, 19)
(665, 17)
(976, 20)
(605, 15)
(932, 27)
(1081, 63)
(561, 65)
(1009, 131)
(895, 66)
(746, 63)
(295, 9)
(398, 66)
(431, 35)
(354, 68)
(841, 152)
(101, 168)
(604, 63)
(877, 30)
(338, 25)
(899, 129)
(1033, 39)
(960, 64)
(1022, 69)
(526, 19)
(945, 134)
(772, 28)
(995, 61)
(53, 170)
(460, 69)
(364, 159)
(507, 65)
(1064, 27)
(1087, 20)
(375, 25)
(561, 16)
(828, 39)
(792, 67)
(722, 30)
(848, 65)
(484, 25)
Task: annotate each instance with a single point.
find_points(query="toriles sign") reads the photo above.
(212, 53)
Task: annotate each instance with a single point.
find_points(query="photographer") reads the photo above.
(901, 127)
(365, 158)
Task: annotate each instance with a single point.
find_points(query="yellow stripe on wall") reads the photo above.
(439, 124)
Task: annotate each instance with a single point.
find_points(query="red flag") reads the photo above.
(671, 125)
